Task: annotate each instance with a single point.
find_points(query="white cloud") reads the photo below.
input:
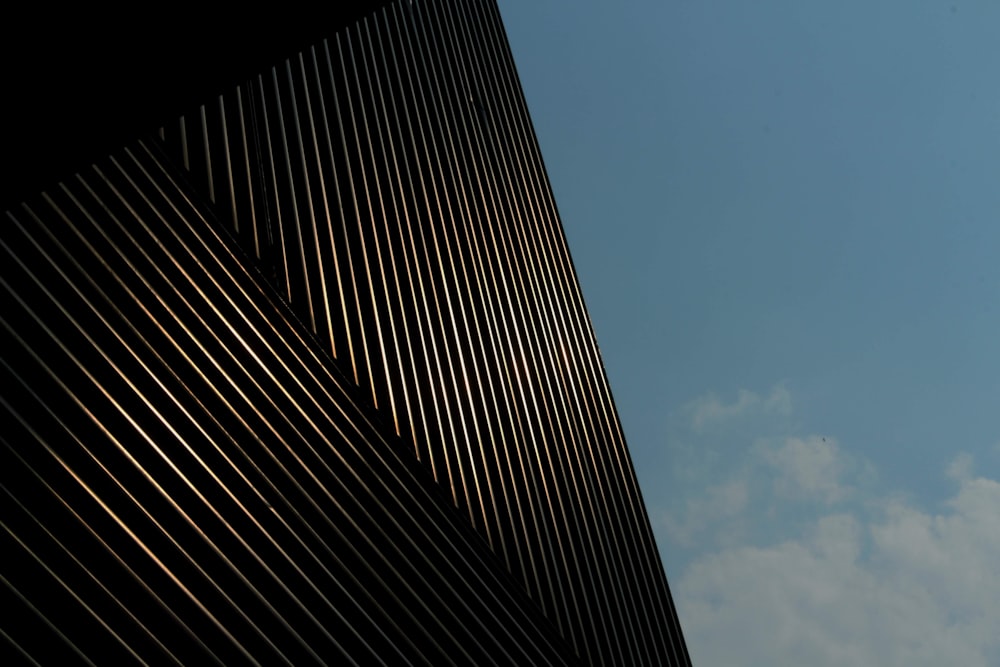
(702, 514)
(809, 468)
(709, 410)
(781, 552)
(960, 469)
(891, 585)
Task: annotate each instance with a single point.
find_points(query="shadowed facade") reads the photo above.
(305, 375)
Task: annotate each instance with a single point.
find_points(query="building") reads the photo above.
(299, 369)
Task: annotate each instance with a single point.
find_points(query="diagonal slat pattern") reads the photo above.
(307, 377)
(185, 476)
(389, 185)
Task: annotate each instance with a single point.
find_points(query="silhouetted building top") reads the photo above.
(82, 79)
(298, 368)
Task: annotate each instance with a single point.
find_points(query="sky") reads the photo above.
(785, 216)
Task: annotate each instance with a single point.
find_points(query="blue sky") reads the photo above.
(786, 218)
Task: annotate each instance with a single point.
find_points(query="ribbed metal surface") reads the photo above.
(368, 424)
(186, 478)
(388, 182)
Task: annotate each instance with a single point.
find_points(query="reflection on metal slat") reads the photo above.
(666, 612)
(228, 165)
(109, 183)
(208, 505)
(123, 525)
(464, 60)
(97, 617)
(190, 634)
(376, 200)
(395, 197)
(139, 468)
(452, 337)
(532, 282)
(51, 626)
(397, 159)
(388, 564)
(461, 212)
(22, 654)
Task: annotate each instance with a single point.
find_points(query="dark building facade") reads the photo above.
(299, 369)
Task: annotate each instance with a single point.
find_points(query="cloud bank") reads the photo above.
(796, 559)
(709, 411)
